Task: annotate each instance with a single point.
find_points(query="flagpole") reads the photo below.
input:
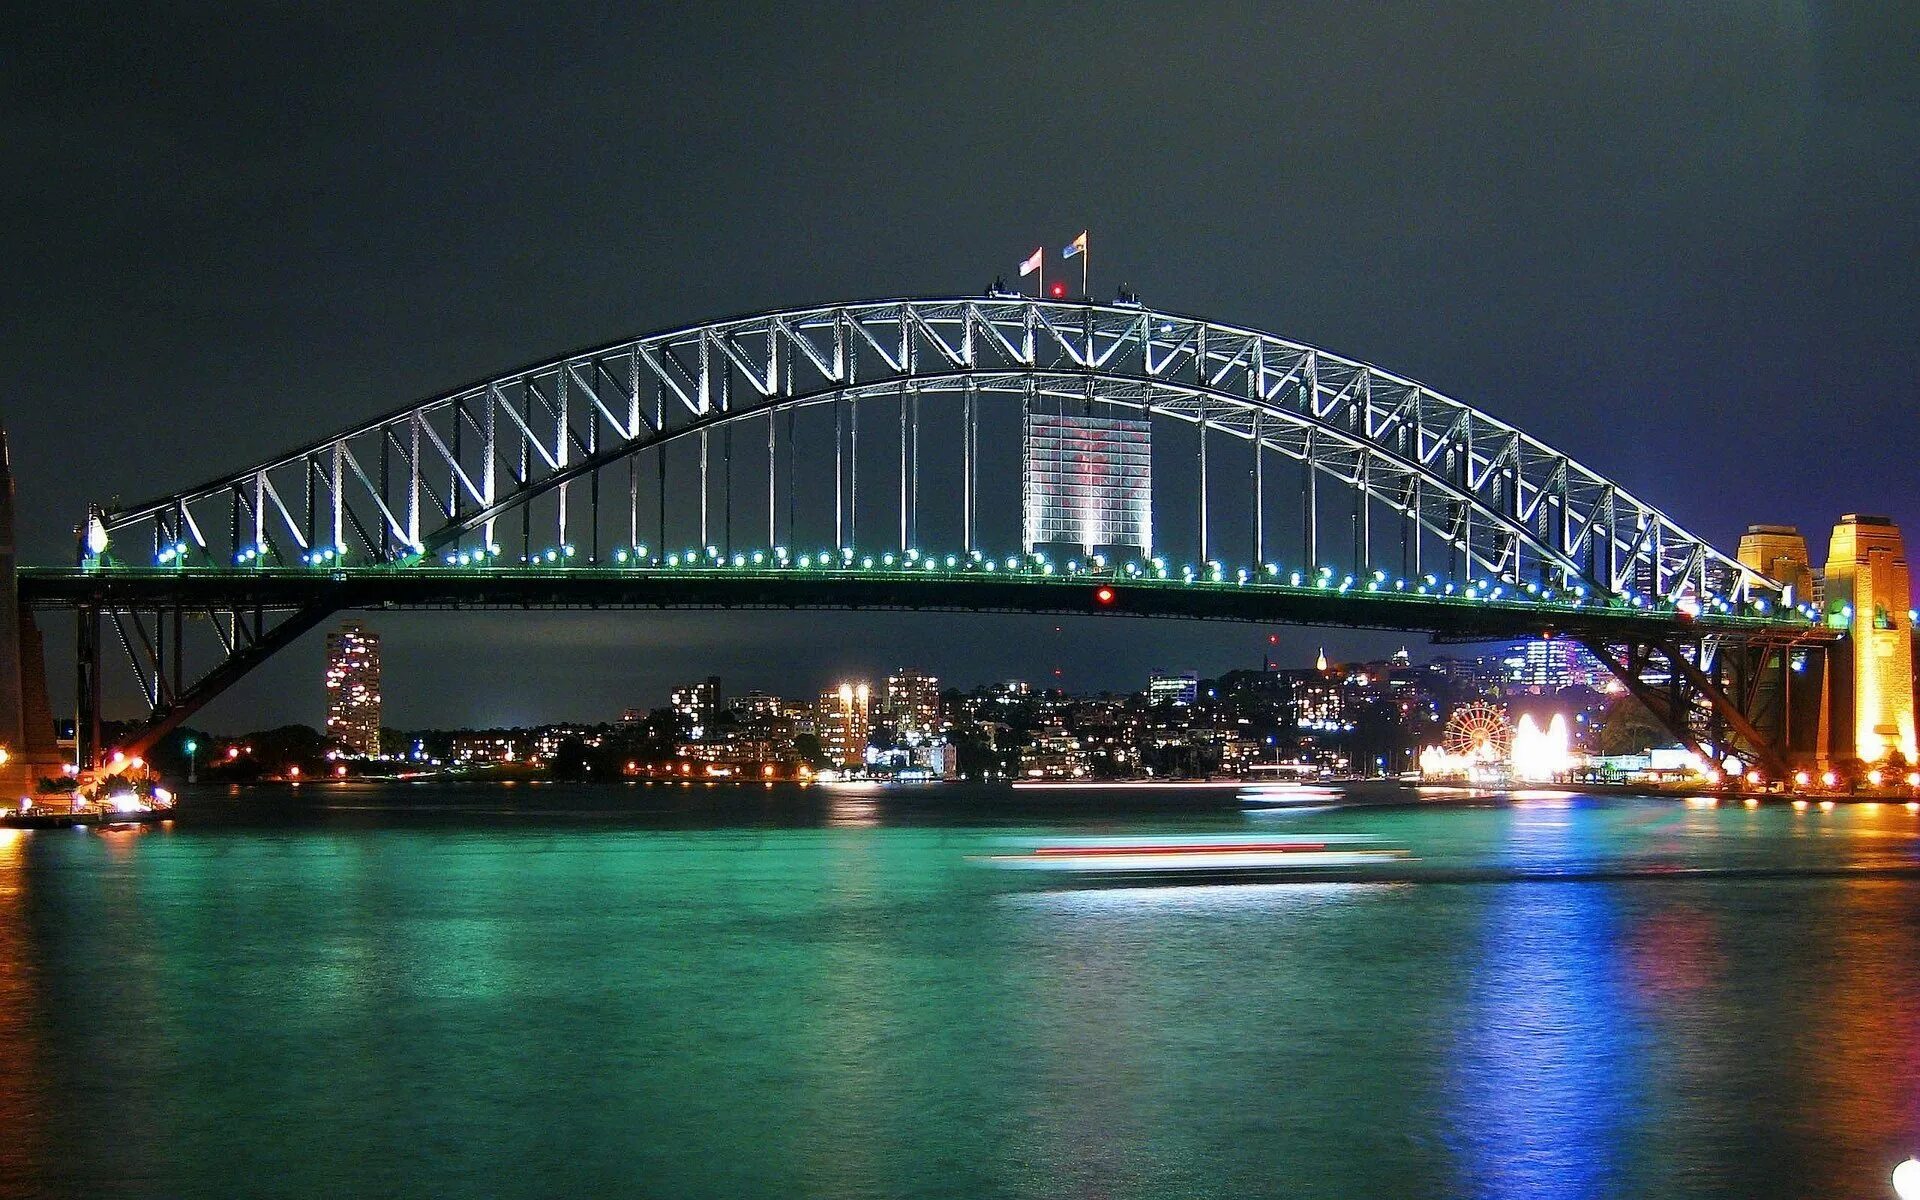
(1086, 293)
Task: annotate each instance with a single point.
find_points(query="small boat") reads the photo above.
(1220, 858)
(87, 819)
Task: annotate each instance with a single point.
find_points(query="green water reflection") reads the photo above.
(1579, 998)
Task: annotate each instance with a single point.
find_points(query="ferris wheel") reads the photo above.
(1479, 732)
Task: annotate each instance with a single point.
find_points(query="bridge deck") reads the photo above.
(603, 587)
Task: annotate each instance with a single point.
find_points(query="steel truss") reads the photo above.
(463, 472)
(1724, 695)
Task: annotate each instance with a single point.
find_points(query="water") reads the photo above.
(656, 992)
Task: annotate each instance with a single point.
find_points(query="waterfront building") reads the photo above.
(912, 704)
(1172, 687)
(697, 705)
(1056, 753)
(353, 688)
(487, 746)
(844, 723)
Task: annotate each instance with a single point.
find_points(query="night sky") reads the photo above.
(1677, 242)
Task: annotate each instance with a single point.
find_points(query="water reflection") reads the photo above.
(23, 1143)
(852, 808)
(1543, 1100)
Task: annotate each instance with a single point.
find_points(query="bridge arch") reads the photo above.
(410, 508)
(442, 473)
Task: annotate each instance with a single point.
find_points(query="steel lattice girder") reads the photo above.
(423, 476)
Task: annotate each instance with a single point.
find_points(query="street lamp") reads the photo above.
(192, 748)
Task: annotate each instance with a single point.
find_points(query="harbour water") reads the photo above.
(487, 991)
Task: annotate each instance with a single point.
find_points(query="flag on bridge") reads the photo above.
(1079, 246)
(1032, 264)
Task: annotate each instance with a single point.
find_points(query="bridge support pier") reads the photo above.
(1725, 696)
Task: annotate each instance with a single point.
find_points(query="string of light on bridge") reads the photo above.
(1036, 566)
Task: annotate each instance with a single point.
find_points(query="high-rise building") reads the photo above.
(1545, 665)
(697, 704)
(912, 704)
(1173, 687)
(844, 723)
(353, 688)
(1089, 483)
(1869, 591)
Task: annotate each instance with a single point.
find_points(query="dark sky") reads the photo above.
(1676, 241)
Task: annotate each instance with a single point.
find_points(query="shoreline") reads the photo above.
(1079, 794)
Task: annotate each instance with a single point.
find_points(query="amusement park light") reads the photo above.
(1801, 779)
(1103, 595)
(620, 556)
(1828, 779)
(1874, 777)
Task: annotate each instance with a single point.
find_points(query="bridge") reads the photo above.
(994, 453)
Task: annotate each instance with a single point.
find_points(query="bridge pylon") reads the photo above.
(26, 719)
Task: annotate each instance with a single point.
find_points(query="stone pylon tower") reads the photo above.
(12, 693)
(1779, 553)
(26, 722)
(1872, 698)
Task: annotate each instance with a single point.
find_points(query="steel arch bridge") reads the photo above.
(727, 464)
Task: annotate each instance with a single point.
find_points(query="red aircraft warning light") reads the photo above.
(1057, 290)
